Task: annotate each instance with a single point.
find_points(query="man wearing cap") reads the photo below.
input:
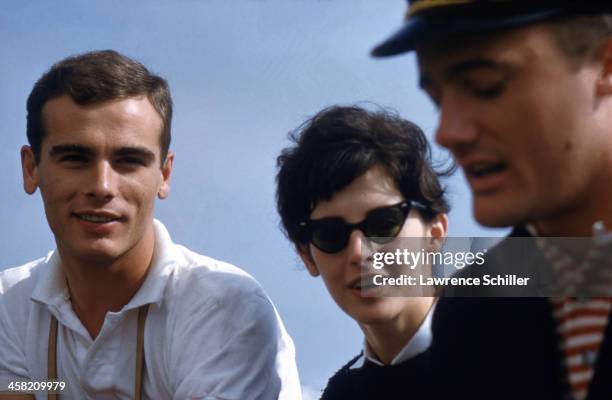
(119, 311)
(524, 91)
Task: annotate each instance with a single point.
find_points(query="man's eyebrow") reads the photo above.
(460, 68)
(60, 149)
(137, 151)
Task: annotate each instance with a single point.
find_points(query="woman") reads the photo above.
(353, 178)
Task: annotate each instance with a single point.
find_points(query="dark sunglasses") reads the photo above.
(381, 225)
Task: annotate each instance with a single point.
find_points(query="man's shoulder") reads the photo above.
(193, 269)
(17, 286)
(514, 267)
(511, 248)
(199, 269)
(224, 302)
(472, 309)
(213, 281)
(22, 279)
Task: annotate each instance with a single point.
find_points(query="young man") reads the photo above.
(118, 310)
(349, 175)
(524, 91)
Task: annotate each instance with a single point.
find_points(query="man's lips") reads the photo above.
(485, 174)
(479, 170)
(97, 216)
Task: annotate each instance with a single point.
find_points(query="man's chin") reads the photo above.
(96, 254)
(100, 258)
(497, 215)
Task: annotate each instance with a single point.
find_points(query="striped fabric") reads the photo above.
(581, 321)
(581, 325)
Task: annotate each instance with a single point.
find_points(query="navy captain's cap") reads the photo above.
(435, 19)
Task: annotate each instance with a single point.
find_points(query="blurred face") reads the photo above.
(527, 130)
(341, 271)
(99, 173)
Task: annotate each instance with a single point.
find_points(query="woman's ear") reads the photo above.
(306, 256)
(437, 230)
(439, 226)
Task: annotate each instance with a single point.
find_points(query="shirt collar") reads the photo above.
(417, 344)
(601, 236)
(600, 241)
(579, 275)
(51, 288)
(165, 258)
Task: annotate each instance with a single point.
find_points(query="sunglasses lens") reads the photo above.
(383, 225)
(330, 236)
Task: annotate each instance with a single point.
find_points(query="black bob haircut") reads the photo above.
(338, 145)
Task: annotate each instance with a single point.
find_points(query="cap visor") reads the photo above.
(404, 39)
(422, 28)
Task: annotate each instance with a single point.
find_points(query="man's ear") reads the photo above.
(306, 256)
(604, 82)
(29, 169)
(438, 229)
(166, 171)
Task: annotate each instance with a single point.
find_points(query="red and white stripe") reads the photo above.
(581, 325)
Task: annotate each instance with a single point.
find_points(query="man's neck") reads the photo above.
(578, 219)
(387, 340)
(96, 289)
(576, 224)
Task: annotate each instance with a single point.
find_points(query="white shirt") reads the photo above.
(418, 343)
(211, 333)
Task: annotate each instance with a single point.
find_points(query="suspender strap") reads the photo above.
(142, 316)
(140, 361)
(51, 359)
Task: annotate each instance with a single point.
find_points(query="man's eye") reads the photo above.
(488, 92)
(131, 161)
(73, 158)
(484, 85)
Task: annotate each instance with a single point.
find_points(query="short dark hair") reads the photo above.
(338, 145)
(95, 77)
(579, 37)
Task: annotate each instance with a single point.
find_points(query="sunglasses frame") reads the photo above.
(306, 226)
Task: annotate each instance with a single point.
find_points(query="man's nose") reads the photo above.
(102, 181)
(457, 126)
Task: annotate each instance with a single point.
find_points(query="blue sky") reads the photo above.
(243, 73)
